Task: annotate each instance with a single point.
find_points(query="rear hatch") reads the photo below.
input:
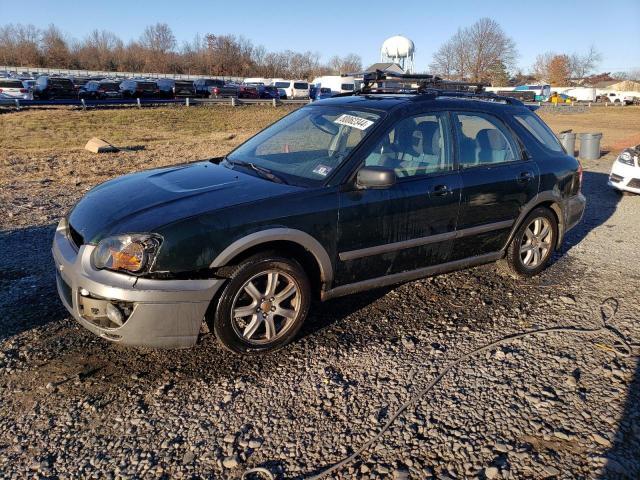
(13, 88)
(184, 88)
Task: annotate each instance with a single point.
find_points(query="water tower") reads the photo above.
(400, 50)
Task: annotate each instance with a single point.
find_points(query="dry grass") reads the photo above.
(620, 126)
(69, 129)
(44, 168)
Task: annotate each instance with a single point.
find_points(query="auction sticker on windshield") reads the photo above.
(322, 170)
(353, 121)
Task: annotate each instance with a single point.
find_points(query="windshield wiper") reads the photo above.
(262, 171)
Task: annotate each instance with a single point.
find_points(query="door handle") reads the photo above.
(525, 177)
(442, 190)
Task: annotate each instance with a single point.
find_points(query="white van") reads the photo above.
(336, 83)
(291, 89)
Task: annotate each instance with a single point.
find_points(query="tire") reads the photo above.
(249, 333)
(527, 255)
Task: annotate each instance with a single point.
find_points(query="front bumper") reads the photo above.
(625, 177)
(164, 313)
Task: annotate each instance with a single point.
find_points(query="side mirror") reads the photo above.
(376, 177)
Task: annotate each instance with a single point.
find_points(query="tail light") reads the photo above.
(102, 90)
(23, 90)
(157, 90)
(0, 90)
(215, 90)
(579, 176)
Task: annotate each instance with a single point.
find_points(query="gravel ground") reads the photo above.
(556, 404)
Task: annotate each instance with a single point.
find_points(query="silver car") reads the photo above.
(14, 88)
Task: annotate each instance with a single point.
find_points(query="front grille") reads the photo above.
(615, 178)
(75, 237)
(65, 289)
(634, 183)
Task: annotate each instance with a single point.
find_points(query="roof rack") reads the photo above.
(425, 84)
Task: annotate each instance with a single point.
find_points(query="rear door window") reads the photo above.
(483, 140)
(301, 85)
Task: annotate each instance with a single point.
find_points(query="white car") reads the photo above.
(625, 172)
(291, 89)
(14, 88)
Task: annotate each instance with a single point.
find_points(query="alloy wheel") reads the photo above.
(265, 307)
(536, 242)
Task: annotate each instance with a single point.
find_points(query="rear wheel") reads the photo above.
(533, 244)
(263, 305)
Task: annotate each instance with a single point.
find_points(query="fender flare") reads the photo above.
(299, 237)
(542, 197)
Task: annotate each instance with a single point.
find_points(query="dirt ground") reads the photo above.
(468, 375)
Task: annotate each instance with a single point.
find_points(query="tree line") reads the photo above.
(156, 50)
(483, 52)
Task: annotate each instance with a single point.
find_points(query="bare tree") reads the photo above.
(583, 65)
(475, 52)
(55, 50)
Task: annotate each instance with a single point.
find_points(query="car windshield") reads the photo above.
(305, 147)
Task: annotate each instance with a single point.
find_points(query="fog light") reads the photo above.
(114, 314)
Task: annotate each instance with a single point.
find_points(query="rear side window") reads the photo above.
(539, 130)
(347, 86)
(482, 140)
(282, 84)
(109, 86)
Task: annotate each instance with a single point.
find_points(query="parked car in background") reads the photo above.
(100, 90)
(248, 91)
(614, 97)
(137, 88)
(324, 92)
(625, 171)
(49, 88)
(285, 89)
(170, 88)
(385, 188)
(300, 90)
(79, 82)
(15, 88)
(558, 98)
(265, 91)
(204, 86)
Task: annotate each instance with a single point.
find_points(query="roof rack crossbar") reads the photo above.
(425, 84)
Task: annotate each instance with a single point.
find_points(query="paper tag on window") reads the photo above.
(353, 121)
(322, 170)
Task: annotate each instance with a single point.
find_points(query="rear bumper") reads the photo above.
(574, 210)
(164, 313)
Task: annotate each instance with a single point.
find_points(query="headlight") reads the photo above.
(132, 253)
(626, 158)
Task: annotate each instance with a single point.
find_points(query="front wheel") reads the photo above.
(533, 244)
(263, 305)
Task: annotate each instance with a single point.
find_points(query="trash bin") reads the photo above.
(568, 141)
(590, 145)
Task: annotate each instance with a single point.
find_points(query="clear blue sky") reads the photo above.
(340, 27)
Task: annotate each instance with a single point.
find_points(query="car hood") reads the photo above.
(142, 202)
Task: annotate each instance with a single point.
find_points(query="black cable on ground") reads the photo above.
(608, 310)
